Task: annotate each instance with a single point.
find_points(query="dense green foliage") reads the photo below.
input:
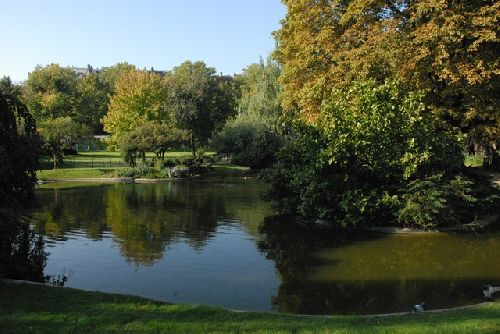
(254, 136)
(260, 93)
(383, 96)
(121, 98)
(51, 92)
(91, 102)
(21, 251)
(61, 133)
(375, 158)
(139, 97)
(19, 143)
(249, 142)
(200, 100)
(110, 75)
(22, 254)
(32, 308)
(446, 49)
(451, 53)
(151, 137)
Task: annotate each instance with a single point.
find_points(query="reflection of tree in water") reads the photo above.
(296, 249)
(143, 218)
(146, 219)
(290, 245)
(22, 254)
(64, 210)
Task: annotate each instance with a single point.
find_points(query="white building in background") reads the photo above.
(83, 71)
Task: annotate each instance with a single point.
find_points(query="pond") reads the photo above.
(213, 241)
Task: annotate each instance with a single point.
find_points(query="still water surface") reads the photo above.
(211, 241)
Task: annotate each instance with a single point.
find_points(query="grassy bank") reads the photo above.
(69, 173)
(104, 172)
(106, 159)
(105, 164)
(28, 308)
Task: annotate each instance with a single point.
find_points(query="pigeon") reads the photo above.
(419, 307)
(489, 290)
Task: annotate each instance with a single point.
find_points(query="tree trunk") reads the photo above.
(57, 157)
(495, 162)
(193, 146)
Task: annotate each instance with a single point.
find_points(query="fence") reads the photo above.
(85, 162)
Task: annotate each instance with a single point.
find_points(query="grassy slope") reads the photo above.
(105, 172)
(67, 173)
(106, 158)
(104, 162)
(28, 308)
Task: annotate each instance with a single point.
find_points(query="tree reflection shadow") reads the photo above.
(148, 218)
(143, 219)
(22, 253)
(345, 272)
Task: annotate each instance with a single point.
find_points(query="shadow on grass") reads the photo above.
(29, 308)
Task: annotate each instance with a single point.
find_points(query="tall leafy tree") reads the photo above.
(19, 144)
(200, 100)
(21, 252)
(139, 97)
(91, 102)
(151, 137)
(260, 92)
(252, 138)
(374, 159)
(329, 43)
(61, 133)
(446, 48)
(375, 90)
(51, 92)
(452, 54)
(110, 75)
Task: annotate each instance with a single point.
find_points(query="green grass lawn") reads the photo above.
(97, 164)
(106, 172)
(26, 308)
(69, 173)
(105, 159)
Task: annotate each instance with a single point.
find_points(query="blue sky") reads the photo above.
(226, 34)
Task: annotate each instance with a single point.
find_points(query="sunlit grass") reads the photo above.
(106, 159)
(68, 173)
(39, 309)
(473, 161)
(105, 164)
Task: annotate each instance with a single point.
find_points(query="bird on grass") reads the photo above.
(419, 307)
(489, 290)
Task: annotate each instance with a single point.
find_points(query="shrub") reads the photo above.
(373, 156)
(139, 171)
(249, 142)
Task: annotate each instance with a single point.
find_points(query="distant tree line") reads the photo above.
(191, 102)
